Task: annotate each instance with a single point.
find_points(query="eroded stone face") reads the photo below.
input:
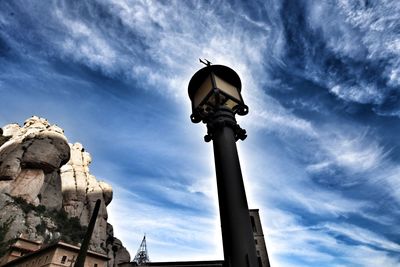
(38, 165)
(30, 161)
(36, 145)
(81, 190)
(28, 185)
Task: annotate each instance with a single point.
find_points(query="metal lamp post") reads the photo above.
(215, 95)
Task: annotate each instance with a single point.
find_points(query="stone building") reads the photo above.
(261, 248)
(21, 247)
(59, 254)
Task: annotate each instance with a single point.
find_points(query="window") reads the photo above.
(247, 260)
(260, 262)
(253, 224)
(63, 259)
(95, 265)
(255, 241)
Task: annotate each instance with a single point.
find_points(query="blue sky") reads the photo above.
(321, 78)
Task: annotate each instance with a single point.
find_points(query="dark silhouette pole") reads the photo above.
(215, 94)
(80, 261)
(237, 234)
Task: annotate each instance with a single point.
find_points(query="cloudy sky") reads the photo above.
(321, 78)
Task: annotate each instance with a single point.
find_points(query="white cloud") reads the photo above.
(268, 114)
(86, 44)
(362, 31)
(355, 152)
(319, 244)
(364, 236)
(173, 37)
(362, 93)
(369, 257)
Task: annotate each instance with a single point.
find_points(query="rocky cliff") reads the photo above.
(47, 192)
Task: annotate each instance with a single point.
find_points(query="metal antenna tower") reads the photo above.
(142, 257)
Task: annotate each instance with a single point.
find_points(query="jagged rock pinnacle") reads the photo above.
(40, 168)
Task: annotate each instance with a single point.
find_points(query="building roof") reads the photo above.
(29, 241)
(22, 249)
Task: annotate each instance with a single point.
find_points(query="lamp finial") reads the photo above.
(207, 63)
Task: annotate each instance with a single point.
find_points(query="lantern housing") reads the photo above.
(212, 87)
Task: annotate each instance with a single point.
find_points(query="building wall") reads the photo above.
(44, 259)
(18, 249)
(64, 257)
(12, 254)
(58, 255)
(259, 238)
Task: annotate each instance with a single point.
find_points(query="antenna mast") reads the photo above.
(142, 257)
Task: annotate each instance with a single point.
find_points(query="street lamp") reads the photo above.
(215, 94)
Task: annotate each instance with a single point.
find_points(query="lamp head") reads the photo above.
(212, 87)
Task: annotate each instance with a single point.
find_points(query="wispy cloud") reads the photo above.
(356, 152)
(321, 80)
(363, 236)
(325, 244)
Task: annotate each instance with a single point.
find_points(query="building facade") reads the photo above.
(259, 239)
(56, 255)
(20, 248)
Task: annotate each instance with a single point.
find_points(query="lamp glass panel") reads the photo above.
(230, 104)
(203, 91)
(227, 87)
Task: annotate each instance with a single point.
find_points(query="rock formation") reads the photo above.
(42, 177)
